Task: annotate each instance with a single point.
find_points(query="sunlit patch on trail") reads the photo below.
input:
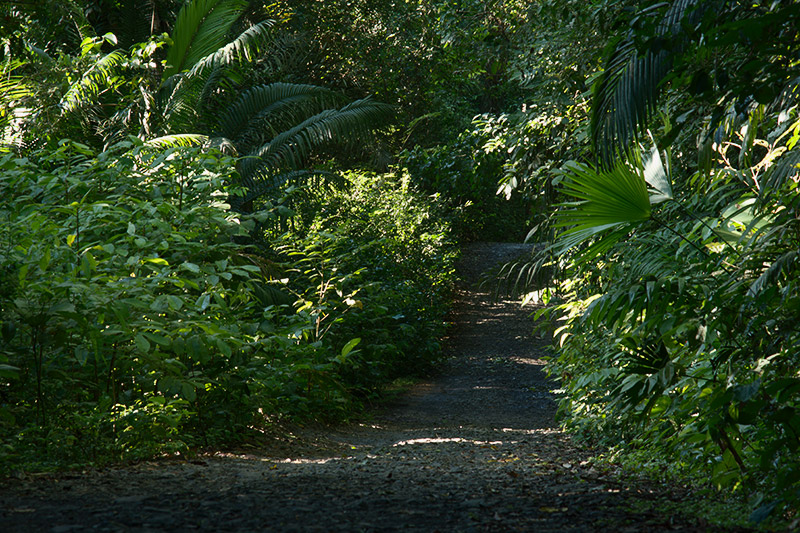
(527, 361)
(452, 439)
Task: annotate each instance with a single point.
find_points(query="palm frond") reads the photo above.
(291, 148)
(614, 199)
(92, 82)
(174, 141)
(782, 266)
(13, 90)
(527, 273)
(271, 108)
(626, 94)
(161, 147)
(264, 184)
(201, 29)
(653, 255)
(787, 168)
(244, 48)
(186, 98)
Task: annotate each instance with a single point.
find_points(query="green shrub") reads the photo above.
(134, 321)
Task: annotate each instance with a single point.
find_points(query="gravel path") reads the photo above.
(476, 449)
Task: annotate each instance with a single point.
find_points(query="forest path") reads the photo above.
(475, 449)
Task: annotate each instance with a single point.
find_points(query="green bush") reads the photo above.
(464, 176)
(375, 266)
(135, 321)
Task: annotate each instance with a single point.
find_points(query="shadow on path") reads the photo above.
(476, 449)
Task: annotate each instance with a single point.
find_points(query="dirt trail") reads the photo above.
(476, 449)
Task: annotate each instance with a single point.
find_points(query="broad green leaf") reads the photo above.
(191, 267)
(616, 199)
(224, 348)
(350, 345)
(8, 330)
(142, 344)
(158, 339)
(8, 371)
(174, 302)
(188, 391)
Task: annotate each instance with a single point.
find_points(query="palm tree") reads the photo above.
(272, 127)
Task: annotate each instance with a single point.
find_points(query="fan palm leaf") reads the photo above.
(616, 199)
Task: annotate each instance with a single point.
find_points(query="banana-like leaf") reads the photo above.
(201, 30)
(616, 199)
(92, 82)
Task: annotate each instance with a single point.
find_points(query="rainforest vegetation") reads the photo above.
(220, 215)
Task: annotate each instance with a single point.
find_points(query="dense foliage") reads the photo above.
(135, 320)
(141, 313)
(225, 213)
(676, 312)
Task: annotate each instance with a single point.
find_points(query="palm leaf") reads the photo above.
(263, 184)
(244, 48)
(783, 266)
(779, 174)
(291, 148)
(615, 199)
(13, 89)
(201, 29)
(186, 103)
(186, 94)
(271, 108)
(92, 82)
(175, 141)
(626, 94)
